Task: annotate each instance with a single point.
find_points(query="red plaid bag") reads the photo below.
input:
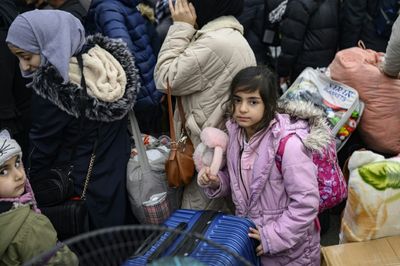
(157, 210)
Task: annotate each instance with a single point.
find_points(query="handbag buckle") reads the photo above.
(183, 139)
(182, 142)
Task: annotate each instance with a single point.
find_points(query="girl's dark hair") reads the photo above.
(256, 78)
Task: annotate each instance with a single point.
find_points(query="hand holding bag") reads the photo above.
(180, 165)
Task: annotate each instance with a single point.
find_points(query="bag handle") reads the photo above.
(82, 106)
(182, 115)
(280, 151)
(137, 136)
(82, 118)
(171, 114)
(90, 169)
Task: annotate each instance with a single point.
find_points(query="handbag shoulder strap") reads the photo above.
(280, 151)
(137, 136)
(82, 107)
(182, 114)
(90, 168)
(170, 115)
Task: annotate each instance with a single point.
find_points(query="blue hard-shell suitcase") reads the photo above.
(228, 231)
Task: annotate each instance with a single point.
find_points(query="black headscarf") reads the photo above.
(8, 12)
(207, 10)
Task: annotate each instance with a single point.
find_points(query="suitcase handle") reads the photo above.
(166, 243)
(147, 244)
(189, 243)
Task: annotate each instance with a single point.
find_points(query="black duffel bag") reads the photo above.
(70, 218)
(53, 187)
(54, 190)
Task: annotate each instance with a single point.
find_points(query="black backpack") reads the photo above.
(386, 12)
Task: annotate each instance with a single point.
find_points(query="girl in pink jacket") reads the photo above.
(283, 204)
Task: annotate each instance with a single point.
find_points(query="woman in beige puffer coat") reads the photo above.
(203, 51)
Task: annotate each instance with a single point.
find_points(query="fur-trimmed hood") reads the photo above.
(320, 134)
(48, 84)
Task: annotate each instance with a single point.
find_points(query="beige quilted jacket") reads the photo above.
(200, 65)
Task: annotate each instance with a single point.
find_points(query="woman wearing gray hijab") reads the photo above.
(202, 52)
(65, 120)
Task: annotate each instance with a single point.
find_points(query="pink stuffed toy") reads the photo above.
(211, 150)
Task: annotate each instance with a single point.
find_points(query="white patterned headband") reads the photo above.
(8, 147)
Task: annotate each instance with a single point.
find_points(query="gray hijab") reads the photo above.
(54, 34)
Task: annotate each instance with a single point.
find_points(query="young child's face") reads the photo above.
(249, 110)
(28, 61)
(12, 178)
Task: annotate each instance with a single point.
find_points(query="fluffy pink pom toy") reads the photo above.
(210, 152)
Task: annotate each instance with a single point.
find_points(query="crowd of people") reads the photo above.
(72, 71)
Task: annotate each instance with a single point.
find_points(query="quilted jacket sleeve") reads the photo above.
(180, 60)
(391, 65)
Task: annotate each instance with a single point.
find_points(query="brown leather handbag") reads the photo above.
(180, 165)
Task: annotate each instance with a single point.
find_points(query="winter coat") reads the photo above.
(283, 204)
(26, 234)
(75, 8)
(15, 98)
(57, 128)
(253, 19)
(120, 19)
(357, 24)
(200, 66)
(310, 36)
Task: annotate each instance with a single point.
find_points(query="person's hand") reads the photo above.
(183, 11)
(255, 234)
(380, 61)
(283, 83)
(283, 80)
(205, 179)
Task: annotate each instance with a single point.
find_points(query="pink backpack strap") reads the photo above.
(278, 161)
(280, 151)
